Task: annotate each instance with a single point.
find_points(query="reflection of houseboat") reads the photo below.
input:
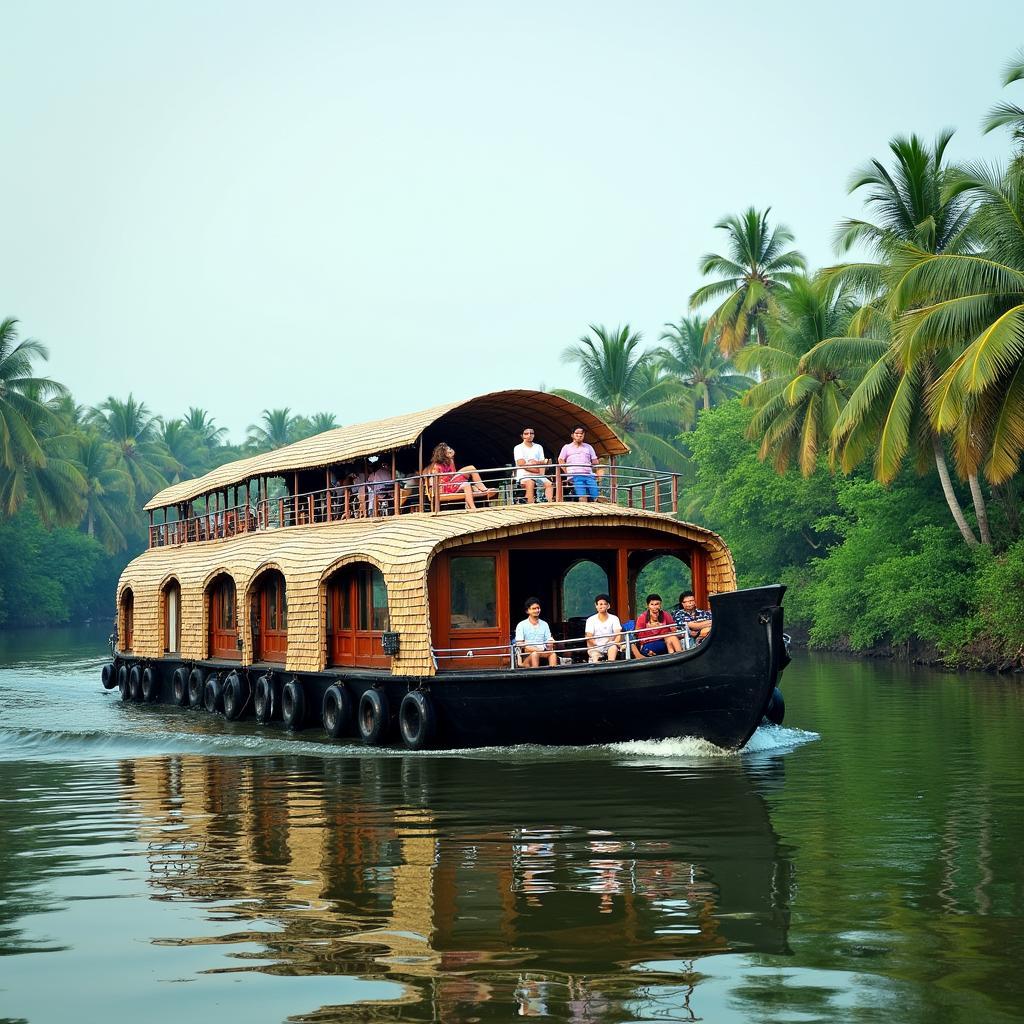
(287, 586)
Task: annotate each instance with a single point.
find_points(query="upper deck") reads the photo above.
(381, 469)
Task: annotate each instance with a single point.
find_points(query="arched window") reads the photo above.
(357, 615)
(126, 629)
(270, 618)
(668, 575)
(223, 612)
(580, 585)
(172, 617)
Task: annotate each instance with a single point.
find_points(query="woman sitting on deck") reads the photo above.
(454, 482)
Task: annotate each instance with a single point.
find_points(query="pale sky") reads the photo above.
(371, 208)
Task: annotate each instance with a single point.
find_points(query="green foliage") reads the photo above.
(1000, 595)
(771, 521)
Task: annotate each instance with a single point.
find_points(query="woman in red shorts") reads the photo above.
(454, 481)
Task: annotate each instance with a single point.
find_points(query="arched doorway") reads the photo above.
(668, 575)
(126, 627)
(223, 617)
(270, 618)
(172, 617)
(357, 615)
(582, 582)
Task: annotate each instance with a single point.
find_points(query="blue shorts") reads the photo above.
(585, 485)
(654, 647)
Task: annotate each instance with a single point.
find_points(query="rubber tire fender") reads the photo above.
(416, 720)
(179, 686)
(264, 703)
(135, 683)
(122, 682)
(109, 676)
(150, 684)
(374, 717)
(213, 693)
(776, 711)
(293, 704)
(337, 710)
(195, 688)
(236, 695)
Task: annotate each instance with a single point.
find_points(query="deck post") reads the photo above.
(419, 473)
(657, 495)
(396, 496)
(675, 494)
(613, 486)
(151, 528)
(295, 477)
(558, 482)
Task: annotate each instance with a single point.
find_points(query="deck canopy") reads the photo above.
(483, 431)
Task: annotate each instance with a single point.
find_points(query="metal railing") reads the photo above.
(629, 486)
(561, 648)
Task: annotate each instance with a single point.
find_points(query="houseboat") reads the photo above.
(333, 583)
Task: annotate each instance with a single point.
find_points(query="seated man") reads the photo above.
(696, 621)
(656, 630)
(579, 461)
(533, 638)
(603, 632)
(531, 468)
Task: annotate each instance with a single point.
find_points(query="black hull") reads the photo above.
(718, 692)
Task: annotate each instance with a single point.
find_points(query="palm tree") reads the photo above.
(184, 446)
(22, 398)
(320, 422)
(107, 490)
(804, 391)
(201, 423)
(1009, 115)
(976, 304)
(757, 265)
(277, 430)
(913, 207)
(627, 389)
(707, 377)
(134, 433)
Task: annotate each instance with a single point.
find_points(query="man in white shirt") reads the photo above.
(604, 631)
(533, 638)
(532, 467)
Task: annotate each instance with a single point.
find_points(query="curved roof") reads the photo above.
(403, 547)
(492, 418)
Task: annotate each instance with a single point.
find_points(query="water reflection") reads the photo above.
(473, 883)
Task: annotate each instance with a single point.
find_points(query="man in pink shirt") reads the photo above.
(579, 460)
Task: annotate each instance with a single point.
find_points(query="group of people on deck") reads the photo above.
(577, 459)
(654, 631)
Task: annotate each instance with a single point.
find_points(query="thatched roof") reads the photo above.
(401, 546)
(494, 419)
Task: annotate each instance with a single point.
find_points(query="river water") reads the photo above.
(863, 862)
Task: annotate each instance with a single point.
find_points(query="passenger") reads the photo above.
(532, 467)
(533, 638)
(696, 621)
(579, 460)
(656, 630)
(465, 481)
(379, 491)
(603, 631)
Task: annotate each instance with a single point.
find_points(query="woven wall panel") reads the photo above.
(401, 547)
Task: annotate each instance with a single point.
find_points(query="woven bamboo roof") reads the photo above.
(401, 546)
(494, 419)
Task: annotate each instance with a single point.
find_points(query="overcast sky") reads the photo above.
(370, 208)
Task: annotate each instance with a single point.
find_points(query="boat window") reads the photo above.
(272, 589)
(473, 589)
(580, 585)
(172, 612)
(373, 599)
(226, 593)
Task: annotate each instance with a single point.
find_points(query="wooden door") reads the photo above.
(273, 611)
(470, 610)
(357, 616)
(128, 617)
(223, 620)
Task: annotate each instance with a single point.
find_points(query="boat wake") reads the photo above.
(767, 739)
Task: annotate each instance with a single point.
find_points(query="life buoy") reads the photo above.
(336, 714)
(179, 686)
(213, 694)
(109, 676)
(293, 705)
(416, 720)
(236, 695)
(776, 711)
(150, 683)
(122, 682)
(263, 701)
(374, 716)
(135, 683)
(195, 688)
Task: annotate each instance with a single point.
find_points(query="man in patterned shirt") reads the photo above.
(696, 620)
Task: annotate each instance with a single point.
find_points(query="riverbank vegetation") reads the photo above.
(854, 430)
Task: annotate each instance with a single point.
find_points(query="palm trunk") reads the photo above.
(979, 509)
(947, 490)
(90, 524)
